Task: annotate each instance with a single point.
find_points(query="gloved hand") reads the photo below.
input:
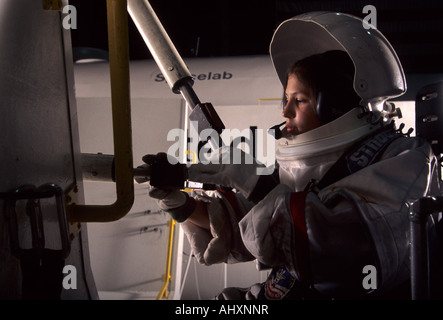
(177, 203)
(222, 170)
(170, 199)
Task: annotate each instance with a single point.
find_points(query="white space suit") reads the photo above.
(359, 220)
(324, 238)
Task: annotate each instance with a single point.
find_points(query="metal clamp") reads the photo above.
(33, 210)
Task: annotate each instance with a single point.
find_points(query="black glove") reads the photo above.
(166, 181)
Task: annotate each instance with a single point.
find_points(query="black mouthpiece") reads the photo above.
(277, 132)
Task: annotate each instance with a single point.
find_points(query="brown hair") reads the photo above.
(331, 73)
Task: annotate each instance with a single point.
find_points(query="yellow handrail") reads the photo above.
(121, 121)
(167, 276)
(268, 99)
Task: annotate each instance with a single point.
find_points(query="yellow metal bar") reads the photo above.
(167, 277)
(268, 99)
(121, 121)
(53, 5)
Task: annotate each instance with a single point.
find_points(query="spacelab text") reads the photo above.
(202, 76)
(228, 309)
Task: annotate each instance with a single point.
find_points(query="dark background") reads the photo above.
(210, 28)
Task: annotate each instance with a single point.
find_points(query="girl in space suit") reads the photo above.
(338, 202)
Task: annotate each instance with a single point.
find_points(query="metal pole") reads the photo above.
(173, 67)
(420, 210)
(418, 253)
(163, 51)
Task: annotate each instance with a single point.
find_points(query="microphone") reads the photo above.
(277, 132)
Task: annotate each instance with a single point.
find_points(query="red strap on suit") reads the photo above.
(297, 204)
(232, 199)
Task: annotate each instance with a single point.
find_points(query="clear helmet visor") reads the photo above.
(378, 75)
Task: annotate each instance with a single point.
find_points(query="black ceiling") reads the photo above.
(244, 27)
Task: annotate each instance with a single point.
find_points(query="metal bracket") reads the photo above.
(33, 210)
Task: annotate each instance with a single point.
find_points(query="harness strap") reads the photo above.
(360, 155)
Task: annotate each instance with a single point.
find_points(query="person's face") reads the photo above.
(299, 110)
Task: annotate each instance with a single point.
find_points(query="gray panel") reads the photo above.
(36, 138)
(38, 142)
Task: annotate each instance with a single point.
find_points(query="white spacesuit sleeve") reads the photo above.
(222, 243)
(267, 228)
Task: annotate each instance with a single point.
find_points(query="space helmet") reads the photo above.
(378, 73)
